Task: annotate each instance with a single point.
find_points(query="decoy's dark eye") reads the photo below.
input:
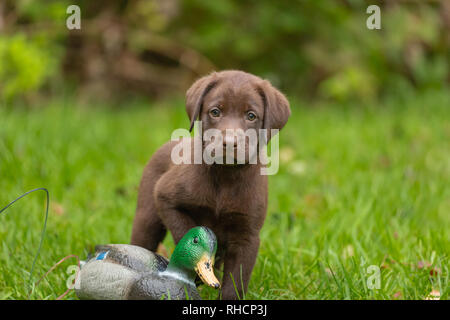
(196, 240)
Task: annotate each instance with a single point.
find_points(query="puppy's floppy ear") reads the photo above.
(276, 107)
(196, 94)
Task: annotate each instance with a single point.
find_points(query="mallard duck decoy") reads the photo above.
(128, 272)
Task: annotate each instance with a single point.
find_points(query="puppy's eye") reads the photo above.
(196, 240)
(215, 112)
(251, 116)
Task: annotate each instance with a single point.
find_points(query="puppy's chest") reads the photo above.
(225, 206)
(225, 202)
(223, 220)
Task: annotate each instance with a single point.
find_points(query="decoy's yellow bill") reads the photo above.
(204, 269)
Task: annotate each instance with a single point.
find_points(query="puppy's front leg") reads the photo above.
(177, 222)
(240, 258)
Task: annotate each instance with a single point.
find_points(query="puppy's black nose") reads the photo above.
(231, 141)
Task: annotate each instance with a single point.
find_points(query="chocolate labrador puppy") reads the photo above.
(231, 199)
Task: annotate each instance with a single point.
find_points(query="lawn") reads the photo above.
(360, 189)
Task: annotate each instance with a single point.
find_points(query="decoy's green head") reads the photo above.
(196, 252)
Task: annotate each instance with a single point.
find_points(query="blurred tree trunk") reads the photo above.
(104, 58)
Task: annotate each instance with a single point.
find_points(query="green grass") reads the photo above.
(357, 186)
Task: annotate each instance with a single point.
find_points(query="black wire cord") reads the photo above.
(45, 222)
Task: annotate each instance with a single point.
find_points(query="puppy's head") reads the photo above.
(235, 101)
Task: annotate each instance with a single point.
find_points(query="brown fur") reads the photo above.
(229, 199)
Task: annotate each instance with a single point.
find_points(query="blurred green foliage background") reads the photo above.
(310, 49)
